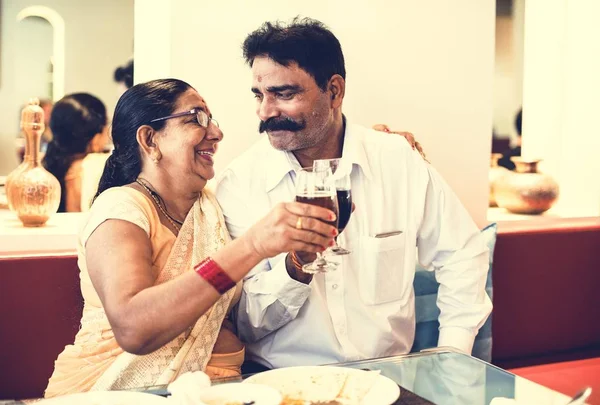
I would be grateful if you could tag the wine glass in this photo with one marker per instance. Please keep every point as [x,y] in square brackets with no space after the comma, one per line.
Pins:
[314,187]
[344,197]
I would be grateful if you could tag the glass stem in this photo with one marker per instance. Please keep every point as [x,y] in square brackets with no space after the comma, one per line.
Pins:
[320,258]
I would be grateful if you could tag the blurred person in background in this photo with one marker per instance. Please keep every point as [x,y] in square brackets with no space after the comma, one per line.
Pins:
[505,161]
[79,127]
[123,76]
[47,106]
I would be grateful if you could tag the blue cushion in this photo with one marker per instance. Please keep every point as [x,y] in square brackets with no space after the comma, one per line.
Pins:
[427,312]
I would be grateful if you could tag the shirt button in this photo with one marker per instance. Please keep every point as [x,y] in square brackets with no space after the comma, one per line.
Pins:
[335,286]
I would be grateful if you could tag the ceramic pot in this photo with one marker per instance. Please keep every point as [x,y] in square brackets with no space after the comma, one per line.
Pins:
[494,174]
[526,191]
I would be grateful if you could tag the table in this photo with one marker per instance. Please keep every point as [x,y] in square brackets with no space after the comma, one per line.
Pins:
[440,378]
[456,378]
[444,378]
[58,236]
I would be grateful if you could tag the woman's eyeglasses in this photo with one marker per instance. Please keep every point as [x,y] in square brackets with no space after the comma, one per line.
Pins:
[201,116]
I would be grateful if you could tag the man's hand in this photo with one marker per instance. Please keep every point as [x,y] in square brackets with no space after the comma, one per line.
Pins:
[297,273]
[303,258]
[407,135]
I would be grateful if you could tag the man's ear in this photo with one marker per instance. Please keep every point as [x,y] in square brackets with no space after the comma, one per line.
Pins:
[146,138]
[337,90]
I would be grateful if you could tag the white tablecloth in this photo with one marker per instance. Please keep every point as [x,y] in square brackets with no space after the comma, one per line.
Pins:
[58,236]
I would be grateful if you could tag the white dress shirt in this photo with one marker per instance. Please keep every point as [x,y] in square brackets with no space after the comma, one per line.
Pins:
[366,307]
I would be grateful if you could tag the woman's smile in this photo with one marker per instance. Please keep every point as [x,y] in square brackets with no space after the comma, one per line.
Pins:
[207,154]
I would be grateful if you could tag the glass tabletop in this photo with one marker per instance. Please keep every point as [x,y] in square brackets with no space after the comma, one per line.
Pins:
[444,378]
[456,378]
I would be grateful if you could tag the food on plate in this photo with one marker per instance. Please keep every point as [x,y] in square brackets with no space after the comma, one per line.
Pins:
[319,385]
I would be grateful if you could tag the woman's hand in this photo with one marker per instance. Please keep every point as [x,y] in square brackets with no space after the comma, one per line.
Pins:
[292,226]
[407,135]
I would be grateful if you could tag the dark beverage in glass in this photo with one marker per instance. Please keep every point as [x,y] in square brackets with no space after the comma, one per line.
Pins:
[324,200]
[344,198]
[343,185]
[313,187]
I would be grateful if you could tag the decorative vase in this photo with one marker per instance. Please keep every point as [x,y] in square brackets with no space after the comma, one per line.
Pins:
[526,191]
[10,178]
[33,193]
[494,174]
[12,175]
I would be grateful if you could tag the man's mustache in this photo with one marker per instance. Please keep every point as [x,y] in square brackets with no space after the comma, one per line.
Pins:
[280,124]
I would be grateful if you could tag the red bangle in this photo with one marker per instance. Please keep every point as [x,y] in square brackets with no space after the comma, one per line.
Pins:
[209,270]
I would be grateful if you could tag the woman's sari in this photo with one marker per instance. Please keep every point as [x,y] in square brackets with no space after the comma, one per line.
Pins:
[96,362]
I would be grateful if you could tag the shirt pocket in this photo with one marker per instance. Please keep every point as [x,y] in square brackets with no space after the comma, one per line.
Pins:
[380,275]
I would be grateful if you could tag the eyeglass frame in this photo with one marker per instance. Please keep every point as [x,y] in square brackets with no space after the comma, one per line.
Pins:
[193,111]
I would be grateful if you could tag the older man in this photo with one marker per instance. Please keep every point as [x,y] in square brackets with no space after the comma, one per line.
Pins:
[366,307]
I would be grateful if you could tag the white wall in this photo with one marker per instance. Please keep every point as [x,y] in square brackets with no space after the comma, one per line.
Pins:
[98,38]
[507,99]
[508,72]
[422,66]
[560,98]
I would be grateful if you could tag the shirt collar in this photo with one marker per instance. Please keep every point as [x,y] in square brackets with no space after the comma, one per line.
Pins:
[280,163]
[354,150]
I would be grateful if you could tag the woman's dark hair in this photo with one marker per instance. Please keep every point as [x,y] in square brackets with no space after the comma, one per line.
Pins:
[305,41]
[137,106]
[75,120]
[125,74]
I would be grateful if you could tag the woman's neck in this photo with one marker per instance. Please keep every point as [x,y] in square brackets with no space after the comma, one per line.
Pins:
[176,198]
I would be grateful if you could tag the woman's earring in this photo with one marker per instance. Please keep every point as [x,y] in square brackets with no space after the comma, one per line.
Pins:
[156,158]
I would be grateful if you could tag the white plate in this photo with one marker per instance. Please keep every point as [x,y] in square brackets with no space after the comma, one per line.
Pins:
[107,398]
[240,393]
[323,383]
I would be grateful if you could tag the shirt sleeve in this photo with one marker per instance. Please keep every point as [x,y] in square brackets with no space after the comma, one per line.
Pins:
[270,297]
[449,242]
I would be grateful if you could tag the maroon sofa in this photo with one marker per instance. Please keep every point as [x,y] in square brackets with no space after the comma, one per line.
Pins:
[546,318]
[40,311]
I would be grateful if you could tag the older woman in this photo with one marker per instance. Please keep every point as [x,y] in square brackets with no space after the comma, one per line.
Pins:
[158,271]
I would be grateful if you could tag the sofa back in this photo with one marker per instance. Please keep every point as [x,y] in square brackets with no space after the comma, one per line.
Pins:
[40,312]
[546,290]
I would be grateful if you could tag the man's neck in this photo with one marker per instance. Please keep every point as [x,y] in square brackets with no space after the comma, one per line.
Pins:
[330,148]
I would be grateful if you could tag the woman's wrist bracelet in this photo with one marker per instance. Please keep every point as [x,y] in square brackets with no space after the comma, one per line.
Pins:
[210,271]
